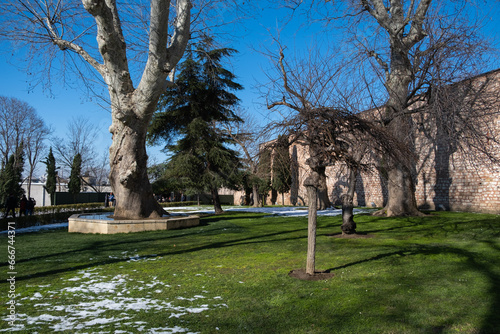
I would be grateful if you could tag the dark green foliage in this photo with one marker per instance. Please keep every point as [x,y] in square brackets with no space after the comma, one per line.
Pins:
[11,175]
[75,182]
[282,177]
[263,179]
[189,118]
[51,182]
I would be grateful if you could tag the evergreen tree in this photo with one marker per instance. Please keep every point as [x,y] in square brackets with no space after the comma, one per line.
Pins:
[51,182]
[75,182]
[282,177]
[263,179]
[191,112]
[11,175]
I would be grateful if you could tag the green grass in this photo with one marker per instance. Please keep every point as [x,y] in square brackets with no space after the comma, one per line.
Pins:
[434,274]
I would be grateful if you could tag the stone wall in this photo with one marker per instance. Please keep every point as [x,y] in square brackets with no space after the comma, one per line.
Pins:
[445,180]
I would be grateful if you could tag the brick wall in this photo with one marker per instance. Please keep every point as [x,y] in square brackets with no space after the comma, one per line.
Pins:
[458,181]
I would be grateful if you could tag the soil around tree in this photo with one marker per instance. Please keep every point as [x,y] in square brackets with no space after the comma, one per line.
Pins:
[318,275]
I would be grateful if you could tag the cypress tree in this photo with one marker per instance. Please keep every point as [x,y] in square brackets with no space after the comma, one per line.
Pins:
[263,179]
[51,182]
[75,183]
[282,176]
[11,175]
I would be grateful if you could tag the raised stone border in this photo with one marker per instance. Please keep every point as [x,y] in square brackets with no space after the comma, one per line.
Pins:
[79,224]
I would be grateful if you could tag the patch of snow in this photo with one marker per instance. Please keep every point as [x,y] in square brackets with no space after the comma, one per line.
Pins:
[276,211]
[98,295]
[37,295]
[38,228]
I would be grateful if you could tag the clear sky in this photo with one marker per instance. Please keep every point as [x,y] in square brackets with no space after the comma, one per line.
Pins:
[249,65]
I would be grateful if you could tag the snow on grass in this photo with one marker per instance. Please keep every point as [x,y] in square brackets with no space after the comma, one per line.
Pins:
[91,301]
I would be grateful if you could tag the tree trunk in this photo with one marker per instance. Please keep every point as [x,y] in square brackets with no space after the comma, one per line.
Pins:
[404,32]
[324,202]
[348,224]
[311,183]
[400,185]
[128,176]
[312,198]
[274,196]
[294,187]
[255,196]
[401,194]
[216,200]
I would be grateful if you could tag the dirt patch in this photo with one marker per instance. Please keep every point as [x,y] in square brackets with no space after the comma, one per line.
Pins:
[352,236]
[318,275]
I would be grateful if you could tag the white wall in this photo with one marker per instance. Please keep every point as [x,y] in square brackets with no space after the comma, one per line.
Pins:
[39,193]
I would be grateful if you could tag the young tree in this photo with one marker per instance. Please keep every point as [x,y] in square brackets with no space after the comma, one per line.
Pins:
[325,124]
[51,174]
[75,183]
[193,110]
[57,26]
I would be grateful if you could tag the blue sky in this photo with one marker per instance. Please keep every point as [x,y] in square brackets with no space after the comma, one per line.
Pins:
[249,66]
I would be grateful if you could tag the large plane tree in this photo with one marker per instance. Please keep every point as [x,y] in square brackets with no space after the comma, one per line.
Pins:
[404,49]
[51,26]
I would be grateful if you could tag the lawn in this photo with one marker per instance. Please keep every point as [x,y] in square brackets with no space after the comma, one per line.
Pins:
[433,274]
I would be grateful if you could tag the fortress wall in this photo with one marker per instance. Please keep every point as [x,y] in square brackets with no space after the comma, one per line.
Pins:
[455,181]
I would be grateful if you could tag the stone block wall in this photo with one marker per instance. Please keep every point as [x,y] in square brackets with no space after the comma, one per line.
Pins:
[444,180]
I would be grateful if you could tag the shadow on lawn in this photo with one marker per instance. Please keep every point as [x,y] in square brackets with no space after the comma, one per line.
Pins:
[491,323]
[104,245]
[487,267]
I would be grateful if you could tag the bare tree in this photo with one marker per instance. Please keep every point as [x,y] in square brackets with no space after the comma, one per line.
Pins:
[80,138]
[14,114]
[249,136]
[95,176]
[410,46]
[20,124]
[321,120]
[35,146]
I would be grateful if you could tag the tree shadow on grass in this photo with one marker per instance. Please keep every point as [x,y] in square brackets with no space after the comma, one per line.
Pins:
[100,246]
[488,269]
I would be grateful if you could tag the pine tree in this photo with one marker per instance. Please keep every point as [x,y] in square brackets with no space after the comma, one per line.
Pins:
[191,112]
[51,182]
[75,182]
